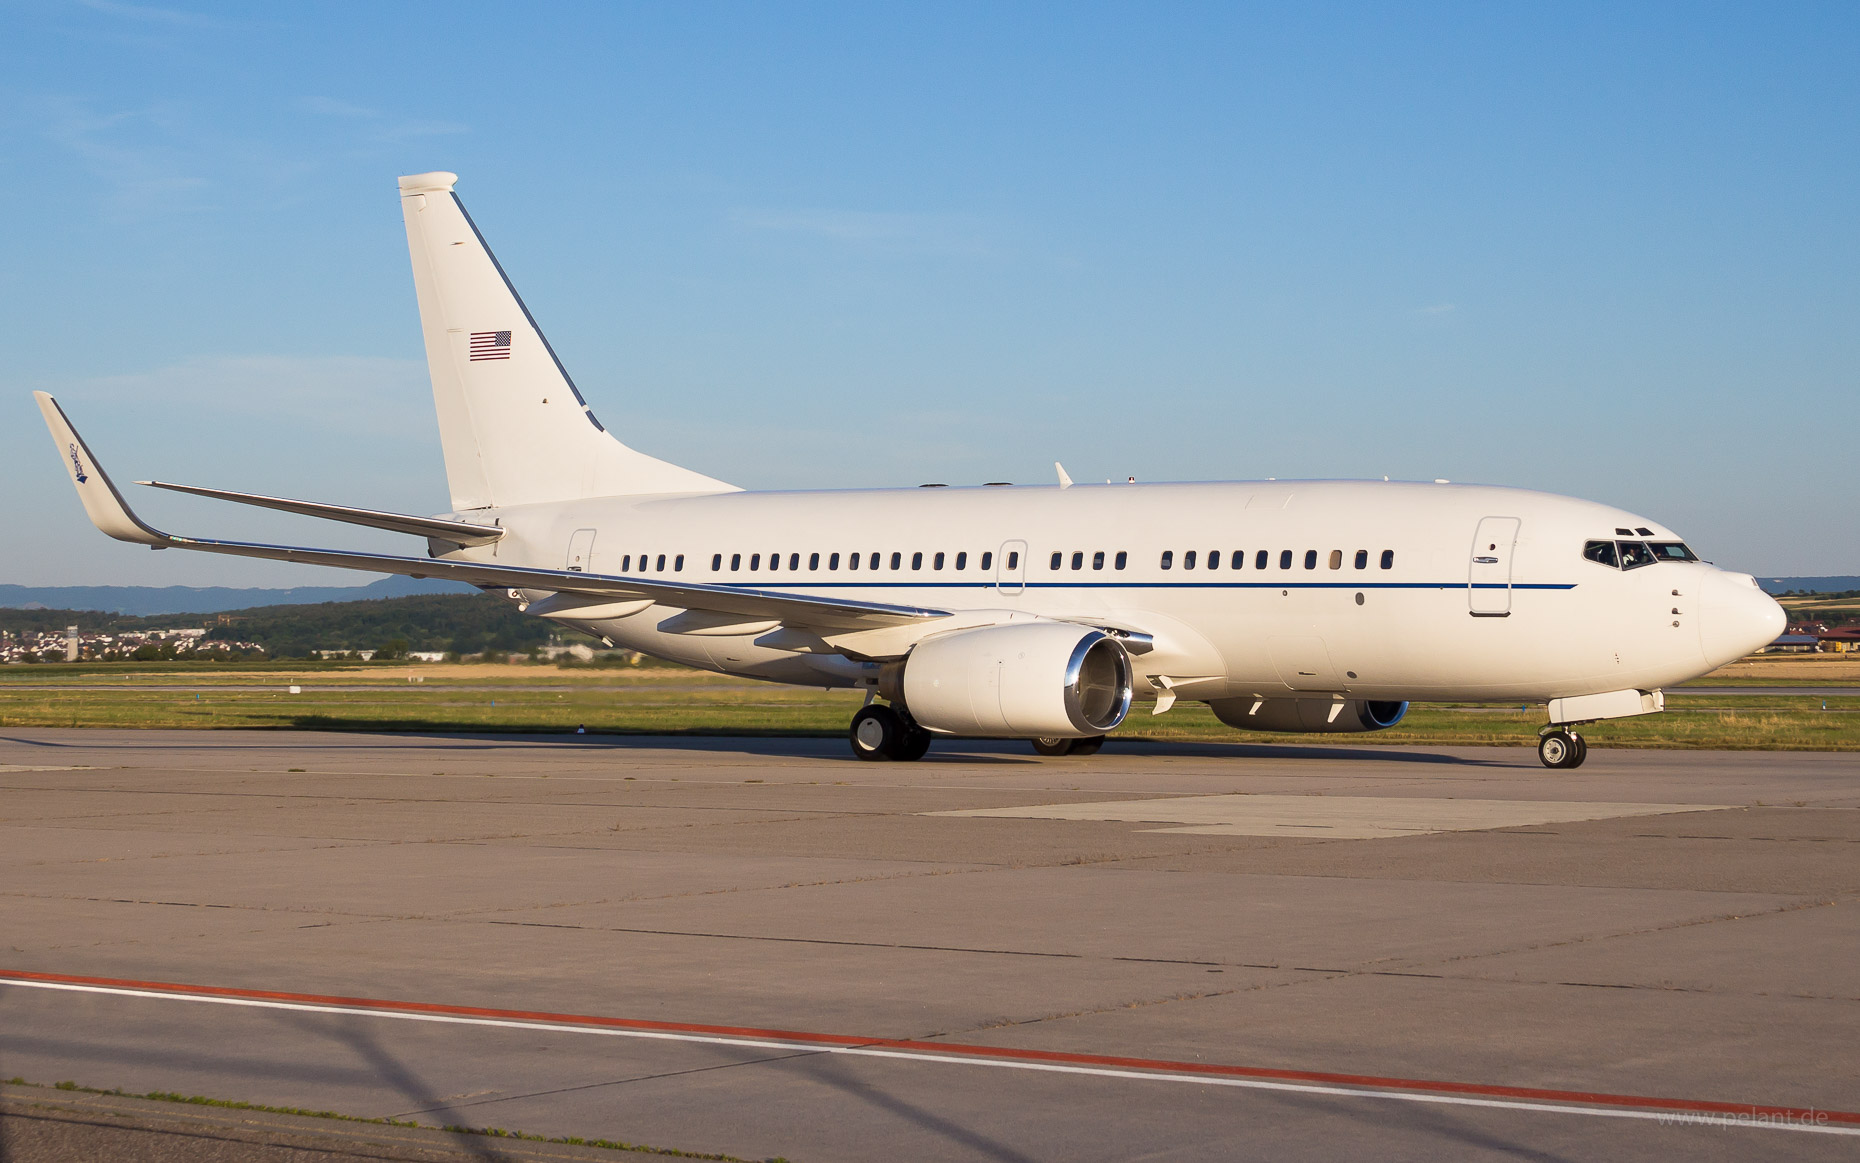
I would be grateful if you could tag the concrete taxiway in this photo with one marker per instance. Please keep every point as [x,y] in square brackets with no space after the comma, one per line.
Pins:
[762,947]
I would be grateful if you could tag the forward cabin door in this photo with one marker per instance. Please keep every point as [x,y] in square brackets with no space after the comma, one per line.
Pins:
[1488,578]
[581,551]
[1011,567]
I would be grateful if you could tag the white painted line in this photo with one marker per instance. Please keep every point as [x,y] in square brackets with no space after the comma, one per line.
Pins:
[1676,1118]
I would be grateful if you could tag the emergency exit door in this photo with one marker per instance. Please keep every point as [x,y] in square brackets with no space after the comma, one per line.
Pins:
[1011,567]
[1488,577]
[581,551]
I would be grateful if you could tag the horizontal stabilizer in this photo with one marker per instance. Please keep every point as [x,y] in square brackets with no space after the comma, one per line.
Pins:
[457,532]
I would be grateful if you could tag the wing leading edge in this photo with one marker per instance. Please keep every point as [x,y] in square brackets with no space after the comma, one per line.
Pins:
[111,514]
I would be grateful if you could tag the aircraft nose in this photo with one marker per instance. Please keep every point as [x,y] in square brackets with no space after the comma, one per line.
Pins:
[1736,617]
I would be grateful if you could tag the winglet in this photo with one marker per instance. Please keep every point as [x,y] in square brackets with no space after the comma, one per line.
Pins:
[105,505]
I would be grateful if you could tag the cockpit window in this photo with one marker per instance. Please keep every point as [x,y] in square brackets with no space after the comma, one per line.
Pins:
[1672,551]
[1601,553]
[1635,554]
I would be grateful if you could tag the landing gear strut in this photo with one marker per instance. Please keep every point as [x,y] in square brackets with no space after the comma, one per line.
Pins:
[879,732]
[1056,746]
[1560,748]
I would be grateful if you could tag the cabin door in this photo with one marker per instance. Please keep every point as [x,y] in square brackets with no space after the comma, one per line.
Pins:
[581,551]
[1488,576]
[1011,567]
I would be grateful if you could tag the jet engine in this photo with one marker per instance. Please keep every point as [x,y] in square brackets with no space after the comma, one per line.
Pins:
[1036,679]
[1307,715]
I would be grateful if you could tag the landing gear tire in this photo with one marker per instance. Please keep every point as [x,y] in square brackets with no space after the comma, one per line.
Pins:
[916,744]
[879,733]
[1055,746]
[1561,749]
[876,733]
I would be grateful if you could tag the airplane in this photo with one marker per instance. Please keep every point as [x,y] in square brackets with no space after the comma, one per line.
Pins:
[1041,613]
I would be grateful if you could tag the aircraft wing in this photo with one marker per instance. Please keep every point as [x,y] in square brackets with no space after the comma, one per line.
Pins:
[110,513]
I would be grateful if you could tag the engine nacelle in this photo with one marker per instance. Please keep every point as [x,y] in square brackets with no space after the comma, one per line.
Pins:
[1036,679]
[1307,715]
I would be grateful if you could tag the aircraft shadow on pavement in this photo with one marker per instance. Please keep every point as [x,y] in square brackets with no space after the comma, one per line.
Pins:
[770,745]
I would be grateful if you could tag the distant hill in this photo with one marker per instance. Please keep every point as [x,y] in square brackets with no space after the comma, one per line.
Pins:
[1817,585]
[148,600]
[462,623]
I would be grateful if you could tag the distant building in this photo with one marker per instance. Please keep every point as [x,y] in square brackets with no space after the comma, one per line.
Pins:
[1845,640]
[1793,644]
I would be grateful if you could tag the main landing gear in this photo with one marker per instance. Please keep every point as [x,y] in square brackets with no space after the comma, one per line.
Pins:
[878,732]
[1560,748]
[1056,746]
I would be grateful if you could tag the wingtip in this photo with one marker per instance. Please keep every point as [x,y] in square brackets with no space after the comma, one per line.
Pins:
[102,503]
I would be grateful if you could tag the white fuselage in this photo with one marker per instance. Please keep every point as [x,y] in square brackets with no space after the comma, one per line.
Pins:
[1325,615]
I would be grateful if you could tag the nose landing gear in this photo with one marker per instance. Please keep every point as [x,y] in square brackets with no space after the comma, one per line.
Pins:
[1560,748]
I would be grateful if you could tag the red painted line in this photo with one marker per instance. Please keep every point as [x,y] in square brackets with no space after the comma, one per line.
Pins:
[954,1049]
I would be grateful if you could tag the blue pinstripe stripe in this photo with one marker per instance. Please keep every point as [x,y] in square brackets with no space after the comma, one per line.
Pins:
[1134,585]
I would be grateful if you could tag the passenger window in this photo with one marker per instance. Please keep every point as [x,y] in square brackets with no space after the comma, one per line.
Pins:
[936,562]
[1362,559]
[1057,556]
[897,560]
[755,561]
[1239,561]
[1078,559]
[1259,562]
[833,561]
[962,561]
[1188,560]
[873,563]
[1602,553]
[661,565]
[1097,560]
[1122,557]
[1168,559]
[1672,551]
[1214,559]
[736,562]
[813,561]
[852,561]
[1310,559]
[794,560]
[1634,554]
[1388,559]
[1285,559]
[1013,559]
[1336,559]
[988,561]
[774,561]
[716,563]
[626,564]
[678,564]
[917,560]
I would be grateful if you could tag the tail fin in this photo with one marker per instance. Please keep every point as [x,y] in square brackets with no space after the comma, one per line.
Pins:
[514,428]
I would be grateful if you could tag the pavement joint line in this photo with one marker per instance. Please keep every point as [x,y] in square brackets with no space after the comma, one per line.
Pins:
[1593,1104]
[782,940]
[766,1059]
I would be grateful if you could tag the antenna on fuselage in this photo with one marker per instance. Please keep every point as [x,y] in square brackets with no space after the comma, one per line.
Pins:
[1065,482]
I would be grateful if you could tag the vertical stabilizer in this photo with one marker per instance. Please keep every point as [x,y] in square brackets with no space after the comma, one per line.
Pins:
[514,429]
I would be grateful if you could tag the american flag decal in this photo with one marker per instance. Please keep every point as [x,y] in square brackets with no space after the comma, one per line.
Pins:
[490,345]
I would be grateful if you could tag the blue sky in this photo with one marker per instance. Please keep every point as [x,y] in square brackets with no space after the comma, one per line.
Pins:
[1606,250]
